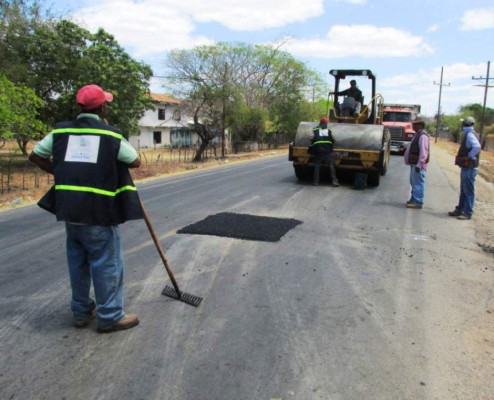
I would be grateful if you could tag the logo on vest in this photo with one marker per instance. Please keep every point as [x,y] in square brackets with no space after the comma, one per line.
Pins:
[82,149]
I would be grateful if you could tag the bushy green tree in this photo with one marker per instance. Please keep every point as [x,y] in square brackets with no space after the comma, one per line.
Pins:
[18,113]
[55,57]
[224,81]
[483,118]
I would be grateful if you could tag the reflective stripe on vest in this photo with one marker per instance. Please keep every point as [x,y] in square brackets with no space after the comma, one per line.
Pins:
[322,142]
[95,190]
[90,131]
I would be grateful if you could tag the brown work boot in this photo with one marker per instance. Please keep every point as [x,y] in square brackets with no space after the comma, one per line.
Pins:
[127,322]
[454,213]
[464,217]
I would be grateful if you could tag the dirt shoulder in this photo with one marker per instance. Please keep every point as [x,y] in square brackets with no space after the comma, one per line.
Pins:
[443,153]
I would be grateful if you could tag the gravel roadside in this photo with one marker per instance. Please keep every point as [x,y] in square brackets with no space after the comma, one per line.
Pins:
[484,197]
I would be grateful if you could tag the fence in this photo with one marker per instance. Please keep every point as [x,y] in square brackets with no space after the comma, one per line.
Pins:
[18,175]
[22,177]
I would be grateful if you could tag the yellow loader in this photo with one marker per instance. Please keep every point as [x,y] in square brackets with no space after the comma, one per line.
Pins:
[362,142]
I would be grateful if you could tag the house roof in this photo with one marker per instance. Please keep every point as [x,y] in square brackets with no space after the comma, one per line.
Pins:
[164,99]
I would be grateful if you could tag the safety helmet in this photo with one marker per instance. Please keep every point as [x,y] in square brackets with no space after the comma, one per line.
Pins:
[468,121]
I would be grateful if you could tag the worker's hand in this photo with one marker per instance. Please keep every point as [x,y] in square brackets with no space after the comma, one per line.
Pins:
[417,170]
[135,164]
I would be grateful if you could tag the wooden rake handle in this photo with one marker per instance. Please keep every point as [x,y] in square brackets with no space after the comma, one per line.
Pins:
[160,250]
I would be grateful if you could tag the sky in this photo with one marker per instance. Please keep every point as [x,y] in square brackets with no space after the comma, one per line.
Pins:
[405,44]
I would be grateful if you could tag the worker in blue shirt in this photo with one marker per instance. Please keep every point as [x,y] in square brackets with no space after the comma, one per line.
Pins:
[468,160]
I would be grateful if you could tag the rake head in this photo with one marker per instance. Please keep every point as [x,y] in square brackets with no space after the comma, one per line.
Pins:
[182,296]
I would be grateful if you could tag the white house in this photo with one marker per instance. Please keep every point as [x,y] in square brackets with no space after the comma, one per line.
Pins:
[168,126]
[164,127]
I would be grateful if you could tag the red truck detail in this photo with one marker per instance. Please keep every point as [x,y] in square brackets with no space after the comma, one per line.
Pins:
[398,118]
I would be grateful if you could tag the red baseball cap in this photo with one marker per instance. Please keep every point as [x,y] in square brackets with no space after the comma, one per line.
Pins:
[92,96]
[324,120]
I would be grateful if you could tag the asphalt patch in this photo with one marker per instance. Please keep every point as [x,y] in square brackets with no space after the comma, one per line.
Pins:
[243,226]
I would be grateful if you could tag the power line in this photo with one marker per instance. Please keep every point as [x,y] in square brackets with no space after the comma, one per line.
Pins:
[440,84]
[486,86]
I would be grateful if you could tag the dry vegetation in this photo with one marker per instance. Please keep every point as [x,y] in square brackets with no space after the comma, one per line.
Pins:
[486,169]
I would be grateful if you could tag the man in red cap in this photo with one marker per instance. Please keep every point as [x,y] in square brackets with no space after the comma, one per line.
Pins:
[93,194]
[321,148]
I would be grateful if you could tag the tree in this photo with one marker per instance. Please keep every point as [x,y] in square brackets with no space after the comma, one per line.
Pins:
[453,124]
[482,118]
[18,113]
[55,57]
[224,81]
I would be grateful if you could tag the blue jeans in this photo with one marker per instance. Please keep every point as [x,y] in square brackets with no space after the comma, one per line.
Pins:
[467,191]
[417,181]
[93,253]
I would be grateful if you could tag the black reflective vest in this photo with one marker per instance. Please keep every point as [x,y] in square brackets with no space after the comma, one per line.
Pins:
[413,155]
[463,153]
[91,187]
[322,144]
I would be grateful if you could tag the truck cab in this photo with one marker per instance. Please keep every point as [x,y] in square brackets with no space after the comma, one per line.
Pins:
[399,118]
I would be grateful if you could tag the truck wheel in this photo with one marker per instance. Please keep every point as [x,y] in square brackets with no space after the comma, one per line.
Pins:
[374,179]
[384,168]
[302,173]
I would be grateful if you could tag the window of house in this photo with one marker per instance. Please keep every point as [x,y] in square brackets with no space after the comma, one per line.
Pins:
[157,137]
[161,113]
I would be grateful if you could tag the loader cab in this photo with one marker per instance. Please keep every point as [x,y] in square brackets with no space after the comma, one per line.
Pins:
[366,82]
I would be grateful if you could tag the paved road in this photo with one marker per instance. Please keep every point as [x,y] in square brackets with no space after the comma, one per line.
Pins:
[364,299]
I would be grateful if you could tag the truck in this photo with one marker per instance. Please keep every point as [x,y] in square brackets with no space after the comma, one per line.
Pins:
[362,142]
[398,118]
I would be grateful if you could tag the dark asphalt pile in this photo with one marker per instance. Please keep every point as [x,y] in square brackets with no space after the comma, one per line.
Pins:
[242,226]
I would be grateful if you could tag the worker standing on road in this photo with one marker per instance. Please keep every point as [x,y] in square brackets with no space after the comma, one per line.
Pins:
[93,194]
[468,160]
[322,148]
[417,157]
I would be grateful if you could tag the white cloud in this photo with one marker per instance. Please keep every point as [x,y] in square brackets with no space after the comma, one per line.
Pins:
[148,27]
[156,26]
[346,41]
[422,87]
[351,1]
[433,28]
[253,15]
[480,18]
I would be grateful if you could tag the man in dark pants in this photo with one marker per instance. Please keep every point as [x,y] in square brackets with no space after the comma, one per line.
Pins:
[322,147]
[468,160]
[93,194]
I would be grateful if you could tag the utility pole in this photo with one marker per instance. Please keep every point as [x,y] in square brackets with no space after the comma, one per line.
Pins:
[486,86]
[439,103]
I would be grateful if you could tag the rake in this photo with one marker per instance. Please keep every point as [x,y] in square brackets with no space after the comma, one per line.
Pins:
[173,292]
